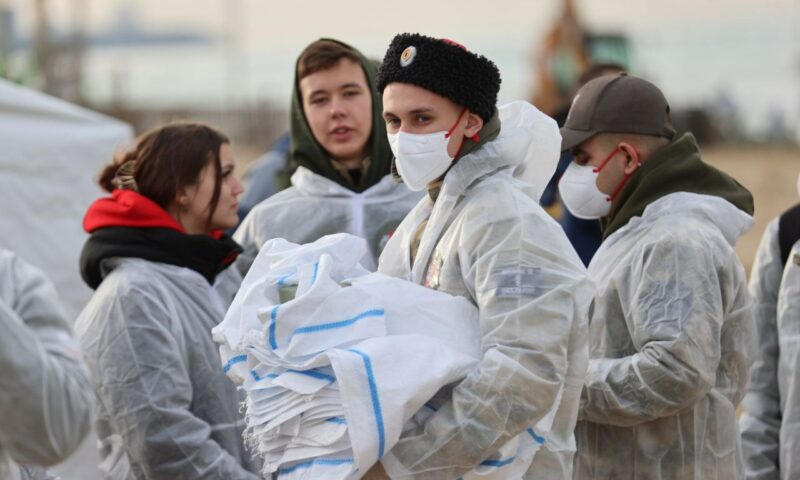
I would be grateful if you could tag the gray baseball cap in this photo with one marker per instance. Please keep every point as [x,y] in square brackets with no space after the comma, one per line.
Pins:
[616,104]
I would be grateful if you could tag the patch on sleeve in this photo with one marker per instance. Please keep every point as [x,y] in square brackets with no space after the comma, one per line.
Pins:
[516,282]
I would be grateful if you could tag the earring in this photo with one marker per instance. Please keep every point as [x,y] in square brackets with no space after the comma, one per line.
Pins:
[184,209]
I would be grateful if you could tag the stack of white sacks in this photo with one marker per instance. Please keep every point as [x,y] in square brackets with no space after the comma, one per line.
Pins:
[336,361]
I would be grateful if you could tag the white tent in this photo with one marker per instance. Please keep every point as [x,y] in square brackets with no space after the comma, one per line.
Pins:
[50,153]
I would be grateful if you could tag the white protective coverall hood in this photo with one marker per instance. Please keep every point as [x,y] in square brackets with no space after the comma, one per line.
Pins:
[165,408]
[671,338]
[46,400]
[487,239]
[770,423]
[316,206]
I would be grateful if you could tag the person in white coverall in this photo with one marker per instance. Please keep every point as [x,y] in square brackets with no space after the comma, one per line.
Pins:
[45,394]
[770,423]
[671,334]
[481,234]
[160,266]
[338,140]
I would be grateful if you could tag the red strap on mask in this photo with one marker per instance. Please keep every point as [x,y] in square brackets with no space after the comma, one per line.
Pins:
[475,138]
[460,116]
[620,186]
[624,180]
[604,162]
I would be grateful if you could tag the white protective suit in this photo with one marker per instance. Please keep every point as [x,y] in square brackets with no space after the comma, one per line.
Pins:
[316,206]
[761,420]
[770,423]
[166,410]
[45,394]
[671,338]
[487,239]
[789,346]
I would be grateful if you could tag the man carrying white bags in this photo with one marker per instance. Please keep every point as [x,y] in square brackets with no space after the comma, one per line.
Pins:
[481,234]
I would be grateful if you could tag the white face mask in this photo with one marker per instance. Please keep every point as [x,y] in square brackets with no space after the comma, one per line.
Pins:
[579,192]
[420,159]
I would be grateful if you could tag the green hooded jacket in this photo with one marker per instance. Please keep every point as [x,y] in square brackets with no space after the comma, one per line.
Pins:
[676,167]
[307,152]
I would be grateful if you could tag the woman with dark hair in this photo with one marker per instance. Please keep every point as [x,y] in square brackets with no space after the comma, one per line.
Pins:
[157,259]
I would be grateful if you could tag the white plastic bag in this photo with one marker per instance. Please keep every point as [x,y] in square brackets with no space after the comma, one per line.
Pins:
[334,374]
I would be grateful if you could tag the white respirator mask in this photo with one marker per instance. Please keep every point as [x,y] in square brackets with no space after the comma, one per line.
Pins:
[421,158]
[579,192]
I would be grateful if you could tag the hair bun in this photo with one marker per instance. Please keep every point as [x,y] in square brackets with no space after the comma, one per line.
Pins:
[124,177]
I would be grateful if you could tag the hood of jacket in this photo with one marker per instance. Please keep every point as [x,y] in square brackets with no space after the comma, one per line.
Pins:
[307,152]
[731,221]
[128,224]
[676,167]
[314,185]
[529,144]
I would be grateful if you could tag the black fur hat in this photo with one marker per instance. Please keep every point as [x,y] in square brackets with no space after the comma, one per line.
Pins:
[444,68]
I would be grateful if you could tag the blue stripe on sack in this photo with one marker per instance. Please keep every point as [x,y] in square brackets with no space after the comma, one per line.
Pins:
[431,406]
[314,273]
[318,461]
[315,374]
[337,420]
[258,378]
[536,438]
[339,324]
[497,463]
[273,323]
[376,403]
[282,280]
[233,361]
